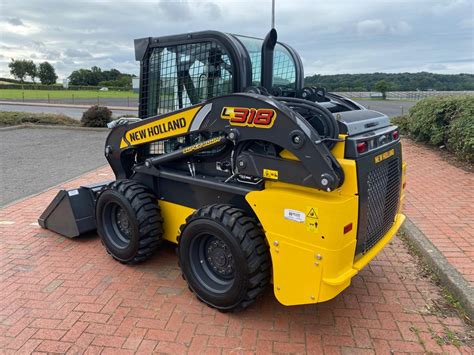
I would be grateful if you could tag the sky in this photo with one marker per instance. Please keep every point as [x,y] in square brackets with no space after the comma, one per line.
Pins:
[332,36]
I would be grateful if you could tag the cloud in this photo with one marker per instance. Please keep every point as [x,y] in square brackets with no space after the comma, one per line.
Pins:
[401,28]
[443,7]
[15,21]
[213,10]
[370,27]
[76,53]
[177,10]
[332,37]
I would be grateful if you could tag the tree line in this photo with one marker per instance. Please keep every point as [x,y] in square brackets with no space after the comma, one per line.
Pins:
[382,82]
[45,72]
[394,82]
[95,76]
[22,68]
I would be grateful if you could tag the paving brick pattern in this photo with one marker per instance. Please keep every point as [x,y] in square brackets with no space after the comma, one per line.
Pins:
[59,295]
[440,201]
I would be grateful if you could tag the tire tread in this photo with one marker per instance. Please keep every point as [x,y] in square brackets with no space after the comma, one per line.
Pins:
[253,243]
[148,215]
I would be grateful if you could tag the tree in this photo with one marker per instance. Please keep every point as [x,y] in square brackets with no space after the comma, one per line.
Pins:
[31,69]
[382,86]
[19,69]
[47,74]
[83,77]
[86,77]
[95,76]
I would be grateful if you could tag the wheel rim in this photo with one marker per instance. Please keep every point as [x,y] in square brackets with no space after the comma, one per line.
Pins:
[212,262]
[118,226]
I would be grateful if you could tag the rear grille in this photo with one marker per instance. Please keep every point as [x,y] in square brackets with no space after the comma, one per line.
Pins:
[383,194]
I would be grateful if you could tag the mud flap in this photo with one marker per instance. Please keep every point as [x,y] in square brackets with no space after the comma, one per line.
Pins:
[72,212]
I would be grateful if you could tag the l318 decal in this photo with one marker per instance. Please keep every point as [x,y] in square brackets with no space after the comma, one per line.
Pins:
[249,117]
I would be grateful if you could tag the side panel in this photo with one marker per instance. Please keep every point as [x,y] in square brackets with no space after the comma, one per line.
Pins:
[305,231]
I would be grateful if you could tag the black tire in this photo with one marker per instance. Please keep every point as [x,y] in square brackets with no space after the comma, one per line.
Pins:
[224,257]
[129,221]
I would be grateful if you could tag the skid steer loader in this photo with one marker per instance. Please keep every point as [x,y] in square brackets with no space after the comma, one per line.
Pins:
[257,179]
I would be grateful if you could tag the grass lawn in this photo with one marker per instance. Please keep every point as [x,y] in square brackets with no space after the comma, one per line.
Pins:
[17,94]
[11,118]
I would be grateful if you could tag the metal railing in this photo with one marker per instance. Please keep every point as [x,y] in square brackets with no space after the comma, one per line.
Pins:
[400,95]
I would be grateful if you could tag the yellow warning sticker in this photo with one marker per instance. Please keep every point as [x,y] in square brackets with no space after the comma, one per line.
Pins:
[312,219]
[270,174]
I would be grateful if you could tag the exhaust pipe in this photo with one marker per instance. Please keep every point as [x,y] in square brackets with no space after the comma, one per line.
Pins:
[268,46]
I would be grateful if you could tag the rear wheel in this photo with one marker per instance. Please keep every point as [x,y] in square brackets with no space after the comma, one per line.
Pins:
[224,257]
[128,221]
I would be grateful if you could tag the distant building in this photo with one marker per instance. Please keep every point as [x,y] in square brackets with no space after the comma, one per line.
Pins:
[135,84]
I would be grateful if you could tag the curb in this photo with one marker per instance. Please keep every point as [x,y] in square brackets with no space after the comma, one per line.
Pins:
[448,275]
[20,103]
[45,126]
[11,128]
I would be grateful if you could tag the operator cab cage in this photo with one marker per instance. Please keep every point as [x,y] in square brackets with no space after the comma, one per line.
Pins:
[183,70]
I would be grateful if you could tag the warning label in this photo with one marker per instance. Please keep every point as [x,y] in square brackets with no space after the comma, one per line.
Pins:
[270,174]
[311,219]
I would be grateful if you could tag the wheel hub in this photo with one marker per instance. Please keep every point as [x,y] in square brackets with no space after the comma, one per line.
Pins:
[122,221]
[220,258]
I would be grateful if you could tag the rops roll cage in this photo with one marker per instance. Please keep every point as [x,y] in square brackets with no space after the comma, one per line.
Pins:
[237,52]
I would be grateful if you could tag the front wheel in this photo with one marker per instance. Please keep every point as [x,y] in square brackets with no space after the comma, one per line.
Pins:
[224,257]
[128,221]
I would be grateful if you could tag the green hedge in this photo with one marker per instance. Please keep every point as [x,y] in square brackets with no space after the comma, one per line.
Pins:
[445,120]
[13,118]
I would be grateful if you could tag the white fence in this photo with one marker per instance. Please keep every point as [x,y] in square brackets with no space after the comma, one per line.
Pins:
[401,95]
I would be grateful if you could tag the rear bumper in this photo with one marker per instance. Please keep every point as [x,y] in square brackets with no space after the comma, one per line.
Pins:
[365,259]
[331,287]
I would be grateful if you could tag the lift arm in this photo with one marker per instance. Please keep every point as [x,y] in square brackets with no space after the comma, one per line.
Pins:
[236,118]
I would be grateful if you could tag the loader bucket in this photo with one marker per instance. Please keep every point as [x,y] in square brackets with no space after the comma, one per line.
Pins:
[72,212]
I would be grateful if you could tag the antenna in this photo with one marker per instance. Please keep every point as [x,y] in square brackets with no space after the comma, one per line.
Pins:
[273,13]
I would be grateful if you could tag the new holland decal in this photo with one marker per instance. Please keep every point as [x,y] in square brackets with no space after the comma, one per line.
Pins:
[166,127]
[249,117]
[385,155]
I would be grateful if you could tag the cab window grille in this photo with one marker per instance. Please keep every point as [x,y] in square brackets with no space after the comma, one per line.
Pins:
[284,72]
[284,67]
[180,76]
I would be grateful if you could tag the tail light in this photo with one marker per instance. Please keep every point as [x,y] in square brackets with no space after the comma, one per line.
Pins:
[395,135]
[361,147]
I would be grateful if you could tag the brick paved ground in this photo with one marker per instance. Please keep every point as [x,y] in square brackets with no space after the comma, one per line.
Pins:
[440,201]
[60,295]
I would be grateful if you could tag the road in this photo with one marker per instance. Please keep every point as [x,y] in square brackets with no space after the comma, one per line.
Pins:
[35,159]
[388,107]
[75,113]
